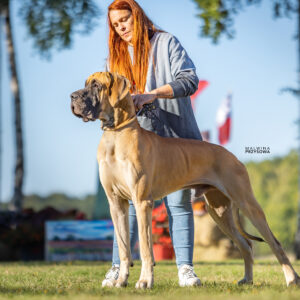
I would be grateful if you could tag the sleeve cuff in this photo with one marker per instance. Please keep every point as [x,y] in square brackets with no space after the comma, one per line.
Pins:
[177,88]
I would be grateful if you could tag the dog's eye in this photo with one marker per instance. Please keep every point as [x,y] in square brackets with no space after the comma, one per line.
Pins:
[84,94]
[96,84]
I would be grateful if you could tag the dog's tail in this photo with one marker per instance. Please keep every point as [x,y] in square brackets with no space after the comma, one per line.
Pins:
[237,221]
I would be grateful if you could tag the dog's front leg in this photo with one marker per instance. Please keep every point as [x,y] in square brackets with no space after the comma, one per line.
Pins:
[119,214]
[144,217]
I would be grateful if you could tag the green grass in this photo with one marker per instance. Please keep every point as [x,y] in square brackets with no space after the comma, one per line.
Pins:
[82,280]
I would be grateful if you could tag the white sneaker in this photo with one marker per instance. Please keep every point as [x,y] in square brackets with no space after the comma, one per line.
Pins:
[111,276]
[187,276]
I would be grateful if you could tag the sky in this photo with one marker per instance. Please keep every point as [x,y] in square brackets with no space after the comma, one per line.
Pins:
[60,150]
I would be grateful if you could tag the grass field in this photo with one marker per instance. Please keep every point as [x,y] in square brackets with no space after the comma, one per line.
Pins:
[82,280]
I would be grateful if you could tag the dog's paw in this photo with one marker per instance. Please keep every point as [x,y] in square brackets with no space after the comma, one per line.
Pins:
[295,282]
[245,281]
[121,283]
[108,283]
[144,284]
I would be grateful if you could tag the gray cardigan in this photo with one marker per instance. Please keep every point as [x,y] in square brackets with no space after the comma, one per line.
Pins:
[171,117]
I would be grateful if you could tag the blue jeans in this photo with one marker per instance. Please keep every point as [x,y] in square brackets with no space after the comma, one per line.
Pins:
[181,224]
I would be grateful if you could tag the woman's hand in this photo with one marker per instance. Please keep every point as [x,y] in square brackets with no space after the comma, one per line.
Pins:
[140,99]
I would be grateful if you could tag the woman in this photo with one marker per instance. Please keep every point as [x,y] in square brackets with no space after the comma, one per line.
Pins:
[163,77]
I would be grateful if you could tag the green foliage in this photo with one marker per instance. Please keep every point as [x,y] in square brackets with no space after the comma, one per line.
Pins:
[61,202]
[52,23]
[217,15]
[284,8]
[275,186]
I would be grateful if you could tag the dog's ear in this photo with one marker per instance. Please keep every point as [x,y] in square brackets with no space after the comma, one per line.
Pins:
[118,89]
[95,76]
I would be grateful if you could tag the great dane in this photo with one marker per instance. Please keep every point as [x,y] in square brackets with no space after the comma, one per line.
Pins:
[139,165]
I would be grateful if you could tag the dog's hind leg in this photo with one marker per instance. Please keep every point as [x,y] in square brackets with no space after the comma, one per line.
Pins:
[144,216]
[119,213]
[251,208]
[219,207]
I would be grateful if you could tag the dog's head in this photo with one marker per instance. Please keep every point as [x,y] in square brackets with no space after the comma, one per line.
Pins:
[104,97]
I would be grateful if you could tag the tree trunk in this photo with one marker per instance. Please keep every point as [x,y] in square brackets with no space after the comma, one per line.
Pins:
[297,238]
[19,169]
[1,26]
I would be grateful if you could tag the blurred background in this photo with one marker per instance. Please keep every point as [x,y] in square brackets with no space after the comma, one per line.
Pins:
[245,50]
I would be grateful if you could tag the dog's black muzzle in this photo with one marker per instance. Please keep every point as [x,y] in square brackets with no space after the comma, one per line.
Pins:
[74,97]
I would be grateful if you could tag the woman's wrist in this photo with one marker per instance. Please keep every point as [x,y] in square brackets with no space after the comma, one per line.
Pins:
[154,93]
[164,91]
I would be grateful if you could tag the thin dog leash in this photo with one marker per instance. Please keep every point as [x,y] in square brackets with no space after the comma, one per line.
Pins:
[149,107]
[138,113]
[146,107]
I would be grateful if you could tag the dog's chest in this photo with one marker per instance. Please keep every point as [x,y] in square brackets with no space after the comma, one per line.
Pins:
[115,159]
[115,169]
[108,155]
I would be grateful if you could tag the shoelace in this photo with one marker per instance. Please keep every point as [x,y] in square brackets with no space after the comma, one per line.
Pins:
[113,273]
[188,273]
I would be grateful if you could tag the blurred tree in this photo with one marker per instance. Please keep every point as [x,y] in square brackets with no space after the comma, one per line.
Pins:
[274,184]
[51,24]
[217,15]
[217,20]
[101,206]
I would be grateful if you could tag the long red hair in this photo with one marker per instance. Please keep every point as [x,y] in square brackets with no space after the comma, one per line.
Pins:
[119,57]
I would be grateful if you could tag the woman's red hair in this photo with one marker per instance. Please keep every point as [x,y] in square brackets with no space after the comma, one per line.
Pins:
[119,58]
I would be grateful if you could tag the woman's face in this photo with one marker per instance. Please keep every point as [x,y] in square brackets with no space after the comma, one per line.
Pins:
[122,21]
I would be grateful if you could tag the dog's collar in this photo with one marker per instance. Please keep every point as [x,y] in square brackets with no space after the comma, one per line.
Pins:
[124,124]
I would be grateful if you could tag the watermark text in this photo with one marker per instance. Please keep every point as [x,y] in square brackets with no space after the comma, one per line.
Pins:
[259,150]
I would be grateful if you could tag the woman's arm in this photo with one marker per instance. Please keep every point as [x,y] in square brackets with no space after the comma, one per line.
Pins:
[164,91]
[185,81]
